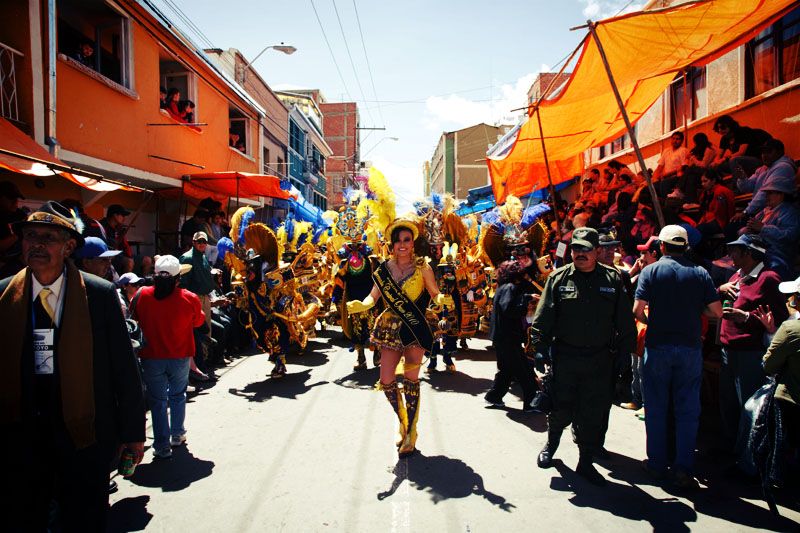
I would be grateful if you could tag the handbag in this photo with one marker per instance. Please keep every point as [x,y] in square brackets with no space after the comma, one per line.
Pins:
[543,399]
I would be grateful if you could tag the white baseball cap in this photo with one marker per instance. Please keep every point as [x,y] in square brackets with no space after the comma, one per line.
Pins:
[674,234]
[789,287]
[168,264]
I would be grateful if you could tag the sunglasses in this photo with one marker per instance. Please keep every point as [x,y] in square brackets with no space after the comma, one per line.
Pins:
[580,248]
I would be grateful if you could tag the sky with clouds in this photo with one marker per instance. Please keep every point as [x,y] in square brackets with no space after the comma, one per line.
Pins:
[417,68]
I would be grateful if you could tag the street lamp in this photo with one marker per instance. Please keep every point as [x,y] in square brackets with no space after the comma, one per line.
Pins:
[285,48]
[379,142]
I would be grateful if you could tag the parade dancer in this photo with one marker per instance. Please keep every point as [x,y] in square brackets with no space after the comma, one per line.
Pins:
[406,284]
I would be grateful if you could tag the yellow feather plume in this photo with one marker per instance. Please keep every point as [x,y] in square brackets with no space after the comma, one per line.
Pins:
[511,211]
[333,216]
[383,207]
[236,221]
[301,228]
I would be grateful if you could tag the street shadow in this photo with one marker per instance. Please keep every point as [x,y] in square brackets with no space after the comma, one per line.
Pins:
[718,497]
[129,514]
[313,355]
[290,386]
[458,382]
[536,422]
[476,354]
[360,379]
[443,478]
[172,475]
[730,498]
[333,335]
[625,501]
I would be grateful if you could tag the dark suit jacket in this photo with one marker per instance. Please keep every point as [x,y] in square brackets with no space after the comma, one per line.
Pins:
[119,406]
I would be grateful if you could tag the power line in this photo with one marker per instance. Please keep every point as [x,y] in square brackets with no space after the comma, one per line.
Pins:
[352,64]
[369,68]
[327,42]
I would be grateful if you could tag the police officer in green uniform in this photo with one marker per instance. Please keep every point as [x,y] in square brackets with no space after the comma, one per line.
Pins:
[584,317]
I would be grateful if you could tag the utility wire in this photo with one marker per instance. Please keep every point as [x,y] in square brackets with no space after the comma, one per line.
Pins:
[352,63]
[369,68]
[327,42]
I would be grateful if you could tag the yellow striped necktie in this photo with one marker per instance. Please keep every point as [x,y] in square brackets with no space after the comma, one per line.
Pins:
[43,294]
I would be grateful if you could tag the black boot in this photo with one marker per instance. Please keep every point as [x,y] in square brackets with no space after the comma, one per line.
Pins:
[361,362]
[586,470]
[545,459]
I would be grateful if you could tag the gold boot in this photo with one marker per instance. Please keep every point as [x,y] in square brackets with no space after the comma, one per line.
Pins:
[392,392]
[411,390]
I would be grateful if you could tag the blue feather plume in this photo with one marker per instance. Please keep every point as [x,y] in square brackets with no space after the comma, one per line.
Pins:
[436,198]
[492,218]
[532,213]
[224,245]
[246,218]
[288,225]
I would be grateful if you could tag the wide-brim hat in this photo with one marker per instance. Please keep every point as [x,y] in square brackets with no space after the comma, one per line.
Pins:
[786,186]
[789,287]
[51,214]
[402,223]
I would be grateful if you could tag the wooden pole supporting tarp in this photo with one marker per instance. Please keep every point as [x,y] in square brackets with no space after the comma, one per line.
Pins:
[549,178]
[634,142]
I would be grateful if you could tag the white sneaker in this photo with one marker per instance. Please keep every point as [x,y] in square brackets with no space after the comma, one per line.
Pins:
[178,440]
[166,453]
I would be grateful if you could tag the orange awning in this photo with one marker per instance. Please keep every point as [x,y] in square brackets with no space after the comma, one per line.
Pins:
[645,51]
[23,155]
[235,184]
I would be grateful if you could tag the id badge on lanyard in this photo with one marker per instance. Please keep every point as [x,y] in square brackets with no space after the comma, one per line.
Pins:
[43,346]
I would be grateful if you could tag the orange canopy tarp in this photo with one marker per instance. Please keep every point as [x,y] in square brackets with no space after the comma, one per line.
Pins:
[34,160]
[236,184]
[645,50]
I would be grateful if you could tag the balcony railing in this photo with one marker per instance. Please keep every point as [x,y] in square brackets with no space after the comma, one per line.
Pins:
[9,106]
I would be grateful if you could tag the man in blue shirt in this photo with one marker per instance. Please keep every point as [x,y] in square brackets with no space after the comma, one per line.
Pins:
[677,293]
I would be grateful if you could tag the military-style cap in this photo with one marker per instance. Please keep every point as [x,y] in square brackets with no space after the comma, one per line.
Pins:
[586,237]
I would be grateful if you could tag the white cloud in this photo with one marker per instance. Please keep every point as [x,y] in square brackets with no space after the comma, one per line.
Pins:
[601,9]
[454,111]
[406,182]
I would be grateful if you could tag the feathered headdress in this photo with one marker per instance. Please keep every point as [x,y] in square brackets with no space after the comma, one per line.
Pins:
[503,230]
[262,240]
[239,222]
[380,201]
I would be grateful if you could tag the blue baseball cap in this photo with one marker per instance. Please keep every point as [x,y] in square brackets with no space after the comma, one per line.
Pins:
[129,278]
[751,242]
[95,247]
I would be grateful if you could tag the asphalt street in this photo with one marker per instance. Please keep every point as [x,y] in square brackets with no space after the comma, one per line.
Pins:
[315,451]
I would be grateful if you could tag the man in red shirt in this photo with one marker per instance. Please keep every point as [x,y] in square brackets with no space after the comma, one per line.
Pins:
[167,315]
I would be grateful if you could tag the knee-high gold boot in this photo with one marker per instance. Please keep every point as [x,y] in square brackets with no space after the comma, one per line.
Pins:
[411,390]
[392,392]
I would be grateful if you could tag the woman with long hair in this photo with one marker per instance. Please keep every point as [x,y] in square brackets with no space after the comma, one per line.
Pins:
[173,97]
[407,285]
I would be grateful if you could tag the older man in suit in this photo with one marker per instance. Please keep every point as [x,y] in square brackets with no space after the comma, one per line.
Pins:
[70,392]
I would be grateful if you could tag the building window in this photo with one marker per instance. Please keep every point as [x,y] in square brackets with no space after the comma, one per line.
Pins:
[92,25]
[317,163]
[771,59]
[694,91]
[265,161]
[238,129]
[297,139]
[174,76]
[617,145]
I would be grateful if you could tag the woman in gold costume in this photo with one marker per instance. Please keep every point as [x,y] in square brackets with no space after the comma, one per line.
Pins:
[406,285]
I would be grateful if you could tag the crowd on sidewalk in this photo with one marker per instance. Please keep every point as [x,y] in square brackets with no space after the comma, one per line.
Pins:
[631,300]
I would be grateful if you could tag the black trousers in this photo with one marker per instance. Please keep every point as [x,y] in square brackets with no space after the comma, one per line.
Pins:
[582,396]
[39,472]
[512,365]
